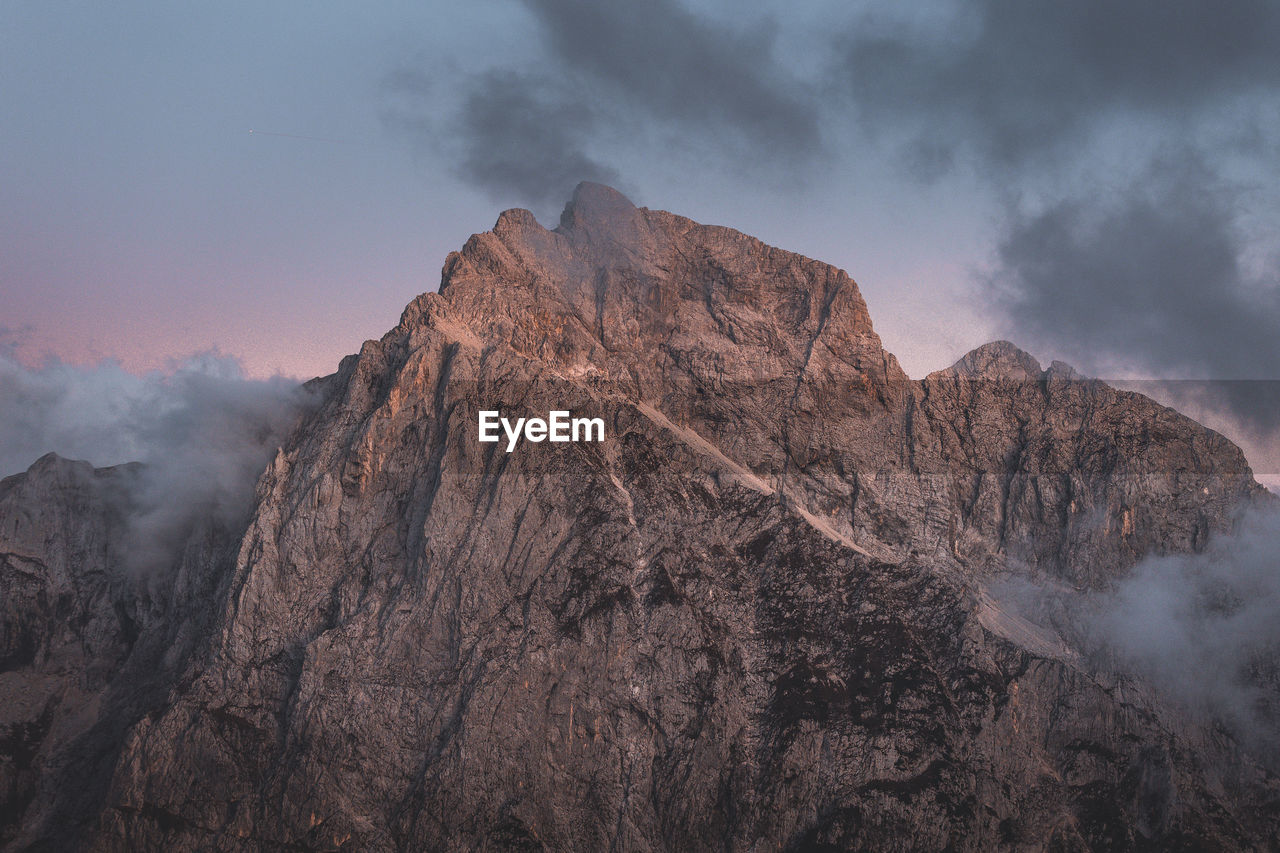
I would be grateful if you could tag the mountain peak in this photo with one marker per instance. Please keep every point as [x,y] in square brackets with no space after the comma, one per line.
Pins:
[604,219]
[997,360]
[595,203]
[515,220]
[627,291]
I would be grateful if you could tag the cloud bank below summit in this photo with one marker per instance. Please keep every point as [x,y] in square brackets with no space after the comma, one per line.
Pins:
[204,432]
[1202,628]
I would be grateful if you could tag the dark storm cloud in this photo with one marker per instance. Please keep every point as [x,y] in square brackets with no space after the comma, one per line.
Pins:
[513,135]
[521,137]
[613,72]
[1150,277]
[685,69]
[1012,79]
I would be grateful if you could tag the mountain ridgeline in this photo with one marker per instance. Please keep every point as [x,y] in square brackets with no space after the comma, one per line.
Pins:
[758,615]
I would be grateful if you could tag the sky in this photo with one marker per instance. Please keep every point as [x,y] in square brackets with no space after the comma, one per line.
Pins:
[1093,180]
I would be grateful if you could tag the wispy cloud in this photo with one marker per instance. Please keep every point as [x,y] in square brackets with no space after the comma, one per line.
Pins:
[1206,628]
[1201,628]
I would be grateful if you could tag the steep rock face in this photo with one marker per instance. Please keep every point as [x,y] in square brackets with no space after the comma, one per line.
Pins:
[1068,475]
[87,645]
[60,637]
[753,618]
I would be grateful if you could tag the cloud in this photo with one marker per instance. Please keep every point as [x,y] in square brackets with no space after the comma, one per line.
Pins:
[204,433]
[517,135]
[12,338]
[1206,627]
[685,69]
[1150,278]
[1016,82]
[1202,628]
[611,75]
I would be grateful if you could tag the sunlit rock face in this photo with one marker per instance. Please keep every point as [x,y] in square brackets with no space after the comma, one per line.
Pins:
[755,617]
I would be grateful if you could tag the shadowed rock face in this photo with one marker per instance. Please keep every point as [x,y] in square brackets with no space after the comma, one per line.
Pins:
[87,646]
[754,617]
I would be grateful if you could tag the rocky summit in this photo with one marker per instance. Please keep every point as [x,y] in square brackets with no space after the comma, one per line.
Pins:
[758,615]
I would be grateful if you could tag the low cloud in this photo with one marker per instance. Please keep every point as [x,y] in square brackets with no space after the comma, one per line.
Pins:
[1203,629]
[204,433]
[1206,628]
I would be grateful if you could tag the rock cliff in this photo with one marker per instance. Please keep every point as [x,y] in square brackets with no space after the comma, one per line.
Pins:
[755,617]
